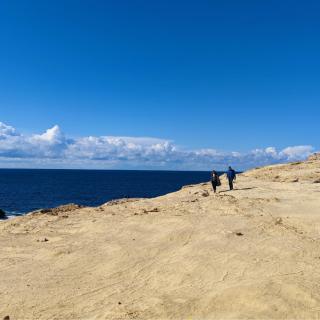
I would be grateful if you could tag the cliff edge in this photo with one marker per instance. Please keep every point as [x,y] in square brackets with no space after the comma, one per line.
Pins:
[253,253]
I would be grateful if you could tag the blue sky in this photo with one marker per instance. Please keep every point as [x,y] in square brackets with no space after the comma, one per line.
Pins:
[219,75]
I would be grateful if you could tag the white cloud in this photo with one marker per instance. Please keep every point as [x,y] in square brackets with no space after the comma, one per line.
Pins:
[51,136]
[53,149]
[297,152]
[6,130]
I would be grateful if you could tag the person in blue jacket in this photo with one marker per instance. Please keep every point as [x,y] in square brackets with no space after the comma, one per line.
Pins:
[231,175]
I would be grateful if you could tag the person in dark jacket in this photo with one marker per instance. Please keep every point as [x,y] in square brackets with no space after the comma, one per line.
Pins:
[231,175]
[215,180]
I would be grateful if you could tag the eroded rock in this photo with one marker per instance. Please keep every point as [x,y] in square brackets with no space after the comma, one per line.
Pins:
[61,209]
[314,157]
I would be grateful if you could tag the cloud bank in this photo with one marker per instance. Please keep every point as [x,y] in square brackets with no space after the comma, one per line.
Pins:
[53,149]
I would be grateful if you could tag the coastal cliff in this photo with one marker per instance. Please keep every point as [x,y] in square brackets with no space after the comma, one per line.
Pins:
[250,253]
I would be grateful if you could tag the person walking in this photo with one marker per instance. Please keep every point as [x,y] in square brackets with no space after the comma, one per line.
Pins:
[215,180]
[231,175]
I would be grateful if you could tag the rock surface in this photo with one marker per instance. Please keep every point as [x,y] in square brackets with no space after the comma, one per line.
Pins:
[314,157]
[60,210]
[304,171]
[253,253]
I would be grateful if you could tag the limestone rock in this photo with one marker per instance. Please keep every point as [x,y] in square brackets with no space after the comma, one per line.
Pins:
[314,157]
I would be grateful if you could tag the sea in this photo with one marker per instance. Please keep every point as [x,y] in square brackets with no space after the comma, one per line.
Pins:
[26,190]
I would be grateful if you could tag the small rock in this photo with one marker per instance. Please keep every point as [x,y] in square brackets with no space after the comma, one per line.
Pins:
[205,194]
[3,215]
[6,318]
[188,186]
[43,240]
[239,234]
[120,201]
[278,221]
[145,211]
[119,303]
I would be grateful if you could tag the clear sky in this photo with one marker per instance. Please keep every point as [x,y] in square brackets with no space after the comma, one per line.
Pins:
[224,75]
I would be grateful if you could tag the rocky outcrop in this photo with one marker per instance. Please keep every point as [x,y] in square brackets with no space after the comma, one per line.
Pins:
[3,215]
[314,157]
[120,201]
[304,171]
[61,209]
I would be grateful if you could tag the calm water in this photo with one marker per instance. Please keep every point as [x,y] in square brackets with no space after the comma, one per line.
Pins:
[23,191]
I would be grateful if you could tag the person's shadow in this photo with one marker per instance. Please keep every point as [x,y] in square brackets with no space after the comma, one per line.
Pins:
[238,189]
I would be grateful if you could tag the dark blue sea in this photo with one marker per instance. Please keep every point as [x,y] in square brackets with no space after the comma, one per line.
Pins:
[25,190]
